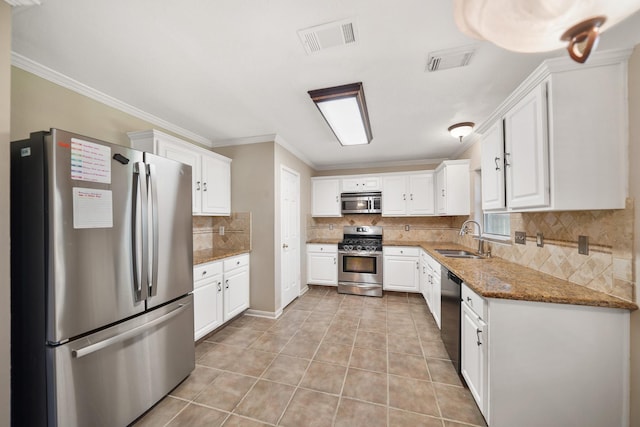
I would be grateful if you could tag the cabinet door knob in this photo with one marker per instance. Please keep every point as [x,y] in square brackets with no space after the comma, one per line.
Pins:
[334,261]
[404,197]
[496,160]
[337,199]
[285,246]
[219,287]
[226,283]
[478,332]
[204,273]
[204,186]
[197,185]
[411,196]
[506,162]
[469,299]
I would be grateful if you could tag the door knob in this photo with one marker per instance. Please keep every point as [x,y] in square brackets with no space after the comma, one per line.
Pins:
[285,246]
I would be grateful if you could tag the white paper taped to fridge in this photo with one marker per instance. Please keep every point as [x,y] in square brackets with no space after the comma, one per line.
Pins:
[90,161]
[92,208]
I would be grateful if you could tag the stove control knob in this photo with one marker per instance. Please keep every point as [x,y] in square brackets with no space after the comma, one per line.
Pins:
[359,248]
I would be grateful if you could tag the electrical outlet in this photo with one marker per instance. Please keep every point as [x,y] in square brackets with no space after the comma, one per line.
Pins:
[583,245]
[540,240]
[221,230]
[406,227]
[330,226]
[521,237]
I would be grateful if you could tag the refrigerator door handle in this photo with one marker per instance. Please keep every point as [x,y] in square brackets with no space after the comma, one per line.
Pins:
[92,348]
[153,283]
[140,243]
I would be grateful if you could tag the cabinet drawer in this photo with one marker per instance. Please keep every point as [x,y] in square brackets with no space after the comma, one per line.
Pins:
[402,250]
[322,248]
[474,301]
[202,272]
[235,262]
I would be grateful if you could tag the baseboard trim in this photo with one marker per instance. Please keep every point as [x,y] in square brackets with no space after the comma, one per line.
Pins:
[304,290]
[266,314]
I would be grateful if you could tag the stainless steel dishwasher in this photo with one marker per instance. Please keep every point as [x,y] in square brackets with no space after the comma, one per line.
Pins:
[450,321]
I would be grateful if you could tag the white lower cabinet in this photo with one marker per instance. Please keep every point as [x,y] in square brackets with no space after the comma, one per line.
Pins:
[220,292]
[207,298]
[531,364]
[401,269]
[236,286]
[430,284]
[473,339]
[322,264]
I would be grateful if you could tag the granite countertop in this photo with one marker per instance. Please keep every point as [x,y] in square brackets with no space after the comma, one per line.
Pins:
[325,241]
[208,255]
[497,278]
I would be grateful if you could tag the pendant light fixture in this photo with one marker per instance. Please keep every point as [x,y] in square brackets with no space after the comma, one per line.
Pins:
[460,130]
[345,111]
[543,25]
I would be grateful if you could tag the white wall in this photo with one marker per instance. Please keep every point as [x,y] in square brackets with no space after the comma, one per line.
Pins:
[634,189]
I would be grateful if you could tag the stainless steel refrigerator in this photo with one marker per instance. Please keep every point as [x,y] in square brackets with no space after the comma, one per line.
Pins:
[101,280]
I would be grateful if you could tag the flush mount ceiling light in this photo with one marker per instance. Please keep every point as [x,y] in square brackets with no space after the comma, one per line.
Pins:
[460,130]
[541,26]
[345,111]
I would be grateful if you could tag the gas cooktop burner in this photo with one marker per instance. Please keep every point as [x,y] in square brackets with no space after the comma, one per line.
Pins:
[361,238]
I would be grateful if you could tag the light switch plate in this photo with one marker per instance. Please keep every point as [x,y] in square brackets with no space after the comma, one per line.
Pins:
[406,227]
[521,237]
[221,230]
[540,240]
[583,245]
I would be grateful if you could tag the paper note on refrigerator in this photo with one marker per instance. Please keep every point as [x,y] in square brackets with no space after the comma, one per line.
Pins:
[92,208]
[90,161]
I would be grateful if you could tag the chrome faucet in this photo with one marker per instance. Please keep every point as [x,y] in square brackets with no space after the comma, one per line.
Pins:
[464,229]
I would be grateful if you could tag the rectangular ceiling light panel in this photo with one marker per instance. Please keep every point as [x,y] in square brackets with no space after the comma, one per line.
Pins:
[344,118]
[345,111]
[333,34]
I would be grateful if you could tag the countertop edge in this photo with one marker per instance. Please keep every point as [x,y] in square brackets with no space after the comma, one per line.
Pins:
[207,256]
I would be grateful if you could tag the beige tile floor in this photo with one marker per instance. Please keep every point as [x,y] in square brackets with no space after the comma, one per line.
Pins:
[330,360]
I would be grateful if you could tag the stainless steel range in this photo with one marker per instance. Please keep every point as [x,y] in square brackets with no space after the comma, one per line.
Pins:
[360,261]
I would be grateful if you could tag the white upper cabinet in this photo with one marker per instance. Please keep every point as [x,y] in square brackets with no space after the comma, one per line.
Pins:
[453,189]
[360,184]
[210,172]
[408,194]
[526,156]
[565,142]
[325,197]
[492,166]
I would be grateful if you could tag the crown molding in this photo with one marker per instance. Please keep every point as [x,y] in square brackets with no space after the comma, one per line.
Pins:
[16,3]
[60,79]
[544,70]
[361,165]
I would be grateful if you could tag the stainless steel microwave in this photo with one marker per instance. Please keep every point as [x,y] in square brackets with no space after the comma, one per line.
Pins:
[361,203]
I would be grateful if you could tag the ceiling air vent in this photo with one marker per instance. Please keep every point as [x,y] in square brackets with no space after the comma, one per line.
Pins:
[339,33]
[16,3]
[450,58]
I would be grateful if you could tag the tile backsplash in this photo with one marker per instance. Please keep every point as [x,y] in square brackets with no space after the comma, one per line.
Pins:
[607,268]
[433,229]
[236,234]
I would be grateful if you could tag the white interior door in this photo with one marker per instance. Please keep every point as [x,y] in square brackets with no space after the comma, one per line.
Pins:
[289,235]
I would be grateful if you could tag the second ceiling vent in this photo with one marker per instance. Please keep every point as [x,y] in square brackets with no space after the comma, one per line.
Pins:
[320,37]
[450,58]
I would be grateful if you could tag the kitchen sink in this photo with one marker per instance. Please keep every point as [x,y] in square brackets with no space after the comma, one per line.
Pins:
[455,253]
